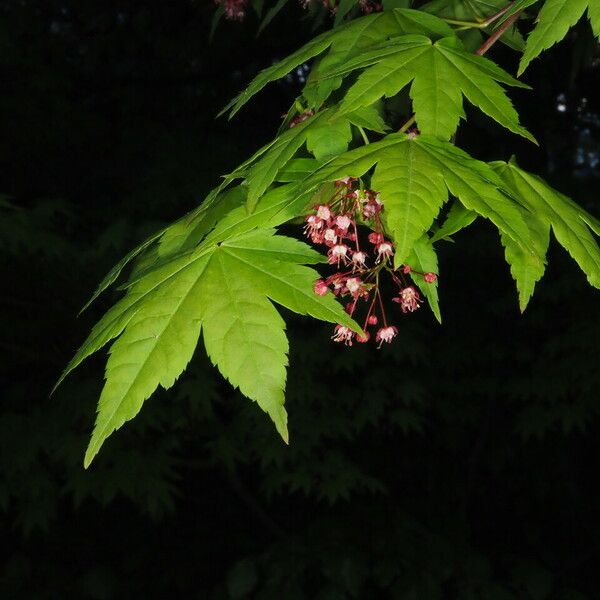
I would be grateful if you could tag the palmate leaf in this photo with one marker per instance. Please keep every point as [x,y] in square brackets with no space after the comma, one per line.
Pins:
[370,33]
[554,20]
[415,175]
[223,288]
[441,73]
[569,222]
[276,207]
[345,41]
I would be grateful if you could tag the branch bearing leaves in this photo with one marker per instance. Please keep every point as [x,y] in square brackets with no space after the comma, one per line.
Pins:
[441,73]
[553,22]
[569,222]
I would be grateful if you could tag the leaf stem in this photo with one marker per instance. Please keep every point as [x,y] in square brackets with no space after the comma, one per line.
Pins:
[497,34]
[480,24]
[408,123]
[364,135]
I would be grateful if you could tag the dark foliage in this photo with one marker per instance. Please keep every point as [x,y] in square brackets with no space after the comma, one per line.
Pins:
[457,464]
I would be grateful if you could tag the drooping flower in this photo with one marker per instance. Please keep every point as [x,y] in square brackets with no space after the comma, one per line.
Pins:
[384,251]
[376,238]
[313,225]
[343,334]
[323,212]
[429,277]
[354,286]
[234,9]
[372,320]
[338,254]
[320,287]
[361,339]
[406,269]
[359,260]
[329,236]
[386,334]
[409,299]
[343,222]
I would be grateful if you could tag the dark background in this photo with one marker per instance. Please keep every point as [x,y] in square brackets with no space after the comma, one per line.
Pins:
[458,463]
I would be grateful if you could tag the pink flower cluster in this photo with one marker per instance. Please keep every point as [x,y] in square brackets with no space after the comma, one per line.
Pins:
[357,278]
[366,6]
[234,9]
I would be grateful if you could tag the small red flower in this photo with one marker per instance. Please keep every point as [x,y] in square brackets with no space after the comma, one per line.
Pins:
[430,277]
[376,238]
[358,260]
[338,254]
[329,236]
[323,212]
[320,287]
[386,334]
[409,299]
[384,251]
[372,320]
[342,334]
[406,269]
[354,286]
[343,222]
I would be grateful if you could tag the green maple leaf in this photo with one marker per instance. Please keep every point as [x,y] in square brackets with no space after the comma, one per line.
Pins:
[423,258]
[345,41]
[554,21]
[550,209]
[441,74]
[415,175]
[225,289]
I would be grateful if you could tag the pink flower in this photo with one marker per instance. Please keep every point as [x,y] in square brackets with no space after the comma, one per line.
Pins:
[409,299]
[358,259]
[320,287]
[386,334]
[343,222]
[384,251]
[323,212]
[313,225]
[376,238]
[234,9]
[317,237]
[430,277]
[361,339]
[342,334]
[338,254]
[406,269]
[345,181]
[354,285]
[372,320]
[330,237]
